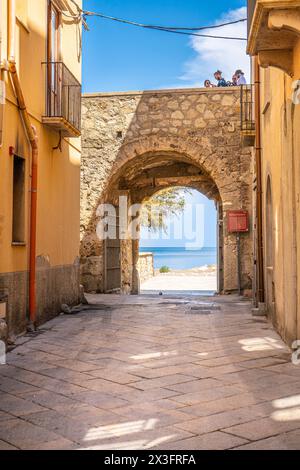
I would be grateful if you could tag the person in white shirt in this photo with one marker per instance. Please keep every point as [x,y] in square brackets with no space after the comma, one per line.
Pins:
[241,80]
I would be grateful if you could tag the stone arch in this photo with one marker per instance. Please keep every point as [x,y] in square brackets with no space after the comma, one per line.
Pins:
[125,133]
[138,177]
[226,178]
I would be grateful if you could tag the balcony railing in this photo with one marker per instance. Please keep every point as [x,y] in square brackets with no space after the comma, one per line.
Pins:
[247,114]
[251,8]
[63,99]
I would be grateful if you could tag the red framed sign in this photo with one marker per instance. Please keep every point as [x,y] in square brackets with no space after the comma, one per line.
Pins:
[237,221]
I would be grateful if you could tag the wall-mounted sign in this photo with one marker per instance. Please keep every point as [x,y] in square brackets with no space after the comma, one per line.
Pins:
[237,221]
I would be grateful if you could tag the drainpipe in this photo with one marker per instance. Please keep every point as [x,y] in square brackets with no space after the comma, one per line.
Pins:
[260,257]
[32,137]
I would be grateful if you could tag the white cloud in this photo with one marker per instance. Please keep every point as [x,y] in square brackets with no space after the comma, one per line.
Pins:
[213,54]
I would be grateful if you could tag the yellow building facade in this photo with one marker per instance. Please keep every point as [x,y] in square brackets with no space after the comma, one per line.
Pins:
[40,107]
[274,43]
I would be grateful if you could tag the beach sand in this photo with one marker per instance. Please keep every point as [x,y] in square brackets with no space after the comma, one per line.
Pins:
[203,280]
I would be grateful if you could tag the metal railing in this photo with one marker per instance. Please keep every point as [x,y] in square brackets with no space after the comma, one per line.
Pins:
[247,108]
[250,7]
[63,94]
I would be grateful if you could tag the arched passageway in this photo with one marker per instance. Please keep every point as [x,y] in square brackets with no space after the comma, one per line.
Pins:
[138,143]
[138,180]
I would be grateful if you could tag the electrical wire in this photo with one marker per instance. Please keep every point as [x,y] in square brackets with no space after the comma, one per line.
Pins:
[83,14]
[133,23]
[169,30]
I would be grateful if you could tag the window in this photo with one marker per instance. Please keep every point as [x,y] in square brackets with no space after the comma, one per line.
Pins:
[18,229]
[53,33]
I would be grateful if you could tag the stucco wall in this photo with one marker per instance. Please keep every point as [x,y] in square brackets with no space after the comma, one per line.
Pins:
[200,126]
[281,165]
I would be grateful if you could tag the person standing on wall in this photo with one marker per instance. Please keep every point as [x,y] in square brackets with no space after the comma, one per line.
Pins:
[241,80]
[220,80]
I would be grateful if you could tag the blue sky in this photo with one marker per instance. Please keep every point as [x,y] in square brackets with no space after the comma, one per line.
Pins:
[118,57]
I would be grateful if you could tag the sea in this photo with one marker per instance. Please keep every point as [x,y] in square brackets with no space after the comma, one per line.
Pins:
[182,258]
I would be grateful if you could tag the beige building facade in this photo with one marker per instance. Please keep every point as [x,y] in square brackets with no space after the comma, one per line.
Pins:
[39,160]
[274,43]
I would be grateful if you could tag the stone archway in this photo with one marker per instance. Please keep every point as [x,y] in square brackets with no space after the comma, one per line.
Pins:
[136,142]
[143,176]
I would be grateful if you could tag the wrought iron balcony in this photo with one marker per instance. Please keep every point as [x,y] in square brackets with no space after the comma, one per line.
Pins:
[247,115]
[63,100]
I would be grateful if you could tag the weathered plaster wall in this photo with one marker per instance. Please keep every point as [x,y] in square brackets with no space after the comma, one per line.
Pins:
[124,133]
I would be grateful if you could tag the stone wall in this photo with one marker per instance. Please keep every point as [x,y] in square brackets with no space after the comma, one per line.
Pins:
[146,266]
[126,136]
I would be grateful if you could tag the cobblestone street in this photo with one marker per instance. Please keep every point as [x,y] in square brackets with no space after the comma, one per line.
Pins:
[152,373]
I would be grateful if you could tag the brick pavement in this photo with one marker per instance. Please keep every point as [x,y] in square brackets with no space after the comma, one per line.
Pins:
[152,373]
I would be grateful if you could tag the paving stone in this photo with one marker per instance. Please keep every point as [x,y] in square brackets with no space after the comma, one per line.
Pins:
[168,404]
[6,446]
[59,424]
[15,387]
[289,369]
[17,406]
[106,386]
[110,375]
[223,404]
[100,400]
[218,421]
[152,411]
[285,441]
[262,428]
[59,444]
[66,375]
[195,385]
[263,362]
[5,416]
[206,395]
[132,435]
[165,381]
[21,434]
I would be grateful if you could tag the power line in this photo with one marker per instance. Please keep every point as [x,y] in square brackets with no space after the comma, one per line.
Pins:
[200,28]
[83,14]
[133,23]
[174,30]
